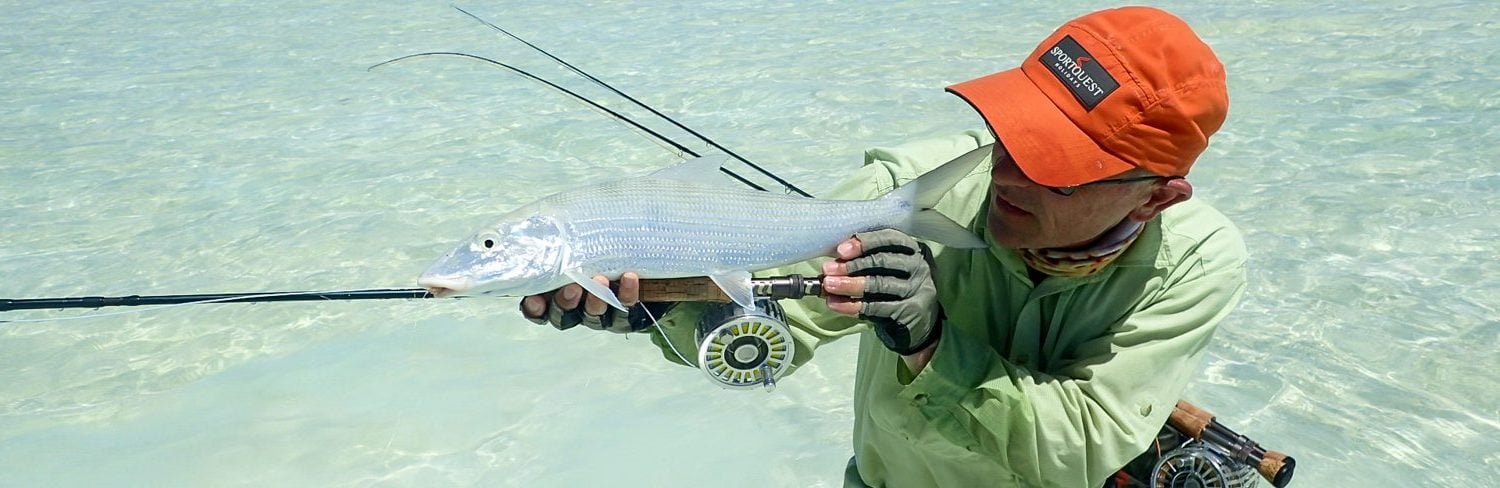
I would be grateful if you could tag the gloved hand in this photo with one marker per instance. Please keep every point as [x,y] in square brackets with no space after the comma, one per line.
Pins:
[570,306]
[885,277]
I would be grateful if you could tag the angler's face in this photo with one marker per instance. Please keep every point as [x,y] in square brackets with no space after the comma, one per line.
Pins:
[508,259]
[1024,214]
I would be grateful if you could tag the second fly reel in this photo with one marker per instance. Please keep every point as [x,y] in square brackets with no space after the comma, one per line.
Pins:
[1199,465]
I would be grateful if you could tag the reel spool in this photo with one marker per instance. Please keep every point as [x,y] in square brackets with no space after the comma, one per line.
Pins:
[741,348]
[1197,465]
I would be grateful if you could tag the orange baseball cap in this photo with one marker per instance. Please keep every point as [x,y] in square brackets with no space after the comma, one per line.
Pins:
[1113,90]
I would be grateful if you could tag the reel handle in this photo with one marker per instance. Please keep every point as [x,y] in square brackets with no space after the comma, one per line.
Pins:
[702,289]
[1275,467]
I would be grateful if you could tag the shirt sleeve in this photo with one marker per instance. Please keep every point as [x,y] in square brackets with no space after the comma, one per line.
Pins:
[1078,425]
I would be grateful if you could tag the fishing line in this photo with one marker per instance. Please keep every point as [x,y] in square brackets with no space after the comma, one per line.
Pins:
[665,337]
[595,105]
[638,103]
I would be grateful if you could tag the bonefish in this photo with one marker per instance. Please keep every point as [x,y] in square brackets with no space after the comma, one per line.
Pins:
[680,222]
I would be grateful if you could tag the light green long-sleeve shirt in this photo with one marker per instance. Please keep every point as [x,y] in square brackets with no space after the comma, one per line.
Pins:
[1057,383]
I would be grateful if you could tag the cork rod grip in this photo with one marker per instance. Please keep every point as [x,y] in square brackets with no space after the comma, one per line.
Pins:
[697,289]
[1276,468]
[1189,419]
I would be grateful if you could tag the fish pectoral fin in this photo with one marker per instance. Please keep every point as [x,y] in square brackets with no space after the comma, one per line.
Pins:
[736,284]
[702,170]
[596,289]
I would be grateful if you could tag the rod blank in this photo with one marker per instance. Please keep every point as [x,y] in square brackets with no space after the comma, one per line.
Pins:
[140,300]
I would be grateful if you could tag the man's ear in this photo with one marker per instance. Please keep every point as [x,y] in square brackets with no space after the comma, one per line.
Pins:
[1167,194]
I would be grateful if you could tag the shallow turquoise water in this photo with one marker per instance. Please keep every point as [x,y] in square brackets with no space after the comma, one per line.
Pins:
[181,147]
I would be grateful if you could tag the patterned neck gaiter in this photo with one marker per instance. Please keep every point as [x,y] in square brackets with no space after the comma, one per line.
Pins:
[1088,260]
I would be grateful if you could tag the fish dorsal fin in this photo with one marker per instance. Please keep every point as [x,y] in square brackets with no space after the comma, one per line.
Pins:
[702,170]
[736,285]
[595,289]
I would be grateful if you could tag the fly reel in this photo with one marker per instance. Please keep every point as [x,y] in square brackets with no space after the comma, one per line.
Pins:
[1198,465]
[742,348]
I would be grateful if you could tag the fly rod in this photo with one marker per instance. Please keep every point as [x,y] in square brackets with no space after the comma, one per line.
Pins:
[580,72]
[659,290]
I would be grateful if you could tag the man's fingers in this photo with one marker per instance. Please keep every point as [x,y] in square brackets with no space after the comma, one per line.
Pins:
[849,249]
[886,288]
[884,263]
[571,305]
[843,304]
[853,287]
[567,296]
[534,306]
[593,305]
[834,268]
[889,240]
[630,289]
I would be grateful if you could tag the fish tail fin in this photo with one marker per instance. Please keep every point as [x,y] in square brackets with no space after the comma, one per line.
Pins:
[924,193]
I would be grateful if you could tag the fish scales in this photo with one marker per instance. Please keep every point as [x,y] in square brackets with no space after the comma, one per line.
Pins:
[666,228]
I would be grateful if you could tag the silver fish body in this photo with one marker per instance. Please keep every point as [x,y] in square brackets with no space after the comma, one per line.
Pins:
[671,224]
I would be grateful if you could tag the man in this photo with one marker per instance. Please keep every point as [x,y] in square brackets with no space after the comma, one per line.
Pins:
[1053,357]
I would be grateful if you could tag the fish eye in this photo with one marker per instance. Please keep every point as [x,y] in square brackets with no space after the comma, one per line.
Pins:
[488,240]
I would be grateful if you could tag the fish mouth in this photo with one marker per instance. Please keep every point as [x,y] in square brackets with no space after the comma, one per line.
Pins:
[443,286]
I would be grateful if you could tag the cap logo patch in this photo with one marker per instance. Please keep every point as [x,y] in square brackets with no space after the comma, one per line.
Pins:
[1079,71]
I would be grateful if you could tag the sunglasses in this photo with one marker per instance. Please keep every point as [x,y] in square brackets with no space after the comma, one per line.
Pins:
[1068,190]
